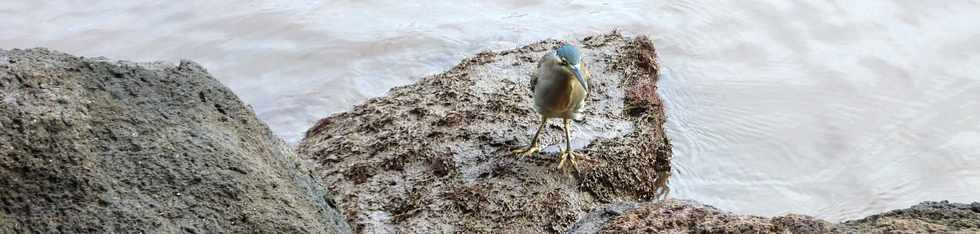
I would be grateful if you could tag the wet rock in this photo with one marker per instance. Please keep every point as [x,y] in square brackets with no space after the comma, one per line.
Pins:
[433,156]
[594,220]
[681,216]
[926,217]
[92,146]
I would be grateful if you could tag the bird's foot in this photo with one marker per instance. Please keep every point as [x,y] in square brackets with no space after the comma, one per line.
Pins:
[571,156]
[526,151]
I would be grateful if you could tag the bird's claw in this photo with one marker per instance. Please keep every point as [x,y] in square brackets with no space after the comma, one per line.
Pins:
[571,156]
[526,151]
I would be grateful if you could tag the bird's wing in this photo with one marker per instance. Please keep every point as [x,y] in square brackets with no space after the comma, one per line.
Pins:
[534,79]
[537,70]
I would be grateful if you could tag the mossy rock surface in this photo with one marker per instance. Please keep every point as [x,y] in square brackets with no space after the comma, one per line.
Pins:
[433,156]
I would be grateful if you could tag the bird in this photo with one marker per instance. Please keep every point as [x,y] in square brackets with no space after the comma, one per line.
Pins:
[560,86]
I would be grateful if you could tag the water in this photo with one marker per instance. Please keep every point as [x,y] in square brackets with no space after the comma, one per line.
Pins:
[833,109]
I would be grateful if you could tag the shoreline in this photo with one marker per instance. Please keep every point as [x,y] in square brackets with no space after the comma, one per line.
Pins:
[426,157]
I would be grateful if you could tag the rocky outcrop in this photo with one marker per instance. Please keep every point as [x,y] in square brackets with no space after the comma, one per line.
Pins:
[926,217]
[681,216]
[433,156]
[92,146]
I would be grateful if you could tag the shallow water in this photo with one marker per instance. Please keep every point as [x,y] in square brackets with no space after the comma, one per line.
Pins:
[832,109]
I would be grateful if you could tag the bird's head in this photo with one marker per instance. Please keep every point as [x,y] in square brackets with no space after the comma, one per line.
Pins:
[571,59]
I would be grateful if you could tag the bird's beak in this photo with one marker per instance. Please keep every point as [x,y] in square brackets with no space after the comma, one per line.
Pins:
[579,77]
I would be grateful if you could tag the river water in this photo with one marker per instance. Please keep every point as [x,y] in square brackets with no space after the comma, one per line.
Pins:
[835,109]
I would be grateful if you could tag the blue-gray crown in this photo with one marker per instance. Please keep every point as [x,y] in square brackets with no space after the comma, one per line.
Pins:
[569,53]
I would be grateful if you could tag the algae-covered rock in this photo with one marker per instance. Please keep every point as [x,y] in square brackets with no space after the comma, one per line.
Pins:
[682,216]
[433,156]
[926,217]
[92,146]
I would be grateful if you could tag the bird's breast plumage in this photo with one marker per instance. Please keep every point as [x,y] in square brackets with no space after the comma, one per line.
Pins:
[557,94]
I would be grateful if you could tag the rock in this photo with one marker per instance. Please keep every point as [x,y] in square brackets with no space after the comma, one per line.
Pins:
[594,220]
[92,146]
[926,217]
[433,156]
[681,216]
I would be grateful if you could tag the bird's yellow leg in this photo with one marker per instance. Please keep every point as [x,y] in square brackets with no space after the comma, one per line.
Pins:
[568,153]
[534,147]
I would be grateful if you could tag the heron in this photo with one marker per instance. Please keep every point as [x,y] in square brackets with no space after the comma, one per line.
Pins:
[560,86]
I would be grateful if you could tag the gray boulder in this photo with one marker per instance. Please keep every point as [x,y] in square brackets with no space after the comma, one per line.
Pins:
[93,146]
